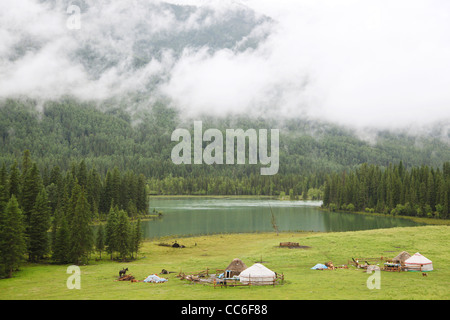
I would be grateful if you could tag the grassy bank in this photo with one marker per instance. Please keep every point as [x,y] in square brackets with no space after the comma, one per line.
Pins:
[37,281]
[424,220]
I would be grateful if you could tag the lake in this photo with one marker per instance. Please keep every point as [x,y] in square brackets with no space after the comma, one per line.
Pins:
[202,216]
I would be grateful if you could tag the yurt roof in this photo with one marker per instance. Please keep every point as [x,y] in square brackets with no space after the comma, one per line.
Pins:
[257,270]
[402,256]
[417,258]
[236,265]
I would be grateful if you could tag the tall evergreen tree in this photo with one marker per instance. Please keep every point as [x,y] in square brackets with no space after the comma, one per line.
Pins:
[116,184]
[31,186]
[14,181]
[40,223]
[81,236]
[12,237]
[111,234]
[72,202]
[100,240]
[27,163]
[136,238]
[61,246]
[4,190]
[123,235]
[142,203]
[82,175]
[107,193]
[94,189]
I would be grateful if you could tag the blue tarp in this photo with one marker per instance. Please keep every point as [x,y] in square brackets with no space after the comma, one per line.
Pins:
[222,276]
[319,266]
[154,278]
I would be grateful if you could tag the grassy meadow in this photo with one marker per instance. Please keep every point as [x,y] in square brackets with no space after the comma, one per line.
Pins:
[47,281]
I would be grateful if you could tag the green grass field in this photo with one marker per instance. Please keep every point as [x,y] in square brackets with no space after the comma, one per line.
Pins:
[46,281]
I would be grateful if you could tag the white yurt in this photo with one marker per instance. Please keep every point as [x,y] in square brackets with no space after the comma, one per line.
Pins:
[257,274]
[418,262]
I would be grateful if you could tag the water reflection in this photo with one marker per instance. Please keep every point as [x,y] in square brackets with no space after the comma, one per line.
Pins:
[199,216]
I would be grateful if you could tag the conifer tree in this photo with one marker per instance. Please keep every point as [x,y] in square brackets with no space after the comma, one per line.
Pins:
[123,235]
[61,245]
[55,223]
[100,240]
[136,238]
[27,163]
[14,181]
[82,175]
[39,226]
[72,202]
[31,186]
[107,192]
[12,237]
[94,189]
[4,192]
[111,226]
[55,176]
[81,237]
[142,197]
[116,183]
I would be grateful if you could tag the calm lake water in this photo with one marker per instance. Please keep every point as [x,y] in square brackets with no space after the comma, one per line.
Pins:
[201,216]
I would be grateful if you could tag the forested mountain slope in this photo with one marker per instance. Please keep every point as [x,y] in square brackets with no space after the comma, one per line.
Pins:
[58,133]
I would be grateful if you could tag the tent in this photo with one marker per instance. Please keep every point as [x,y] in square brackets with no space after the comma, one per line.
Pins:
[401,257]
[372,268]
[155,279]
[418,263]
[319,266]
[235,268]
[257,274]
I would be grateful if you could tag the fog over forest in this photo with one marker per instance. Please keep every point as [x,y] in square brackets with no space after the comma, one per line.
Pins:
[382,64]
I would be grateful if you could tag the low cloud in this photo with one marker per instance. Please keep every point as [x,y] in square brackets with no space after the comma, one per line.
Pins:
[382,64]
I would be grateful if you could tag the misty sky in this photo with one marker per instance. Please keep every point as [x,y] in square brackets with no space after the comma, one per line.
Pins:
[362,63]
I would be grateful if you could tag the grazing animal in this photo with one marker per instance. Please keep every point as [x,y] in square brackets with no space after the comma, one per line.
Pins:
[424,274]
[122,272]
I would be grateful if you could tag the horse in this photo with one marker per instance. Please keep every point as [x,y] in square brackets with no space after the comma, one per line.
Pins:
[122,272]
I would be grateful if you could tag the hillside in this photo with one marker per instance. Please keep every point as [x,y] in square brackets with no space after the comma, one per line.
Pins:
[58,133]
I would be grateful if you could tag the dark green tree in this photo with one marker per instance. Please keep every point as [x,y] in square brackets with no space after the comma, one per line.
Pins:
[81,236]
[82,174]
[123,235]
[111,233]
[142,202]
[38,242]
[115,187]
[14,181]
[4,190]
[12,237]
[136,238]
[61,245]
[100,240]
[107,193]
[94,190]
[31,186]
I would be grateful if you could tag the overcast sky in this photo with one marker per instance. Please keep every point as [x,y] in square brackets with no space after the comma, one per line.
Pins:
[361,63]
